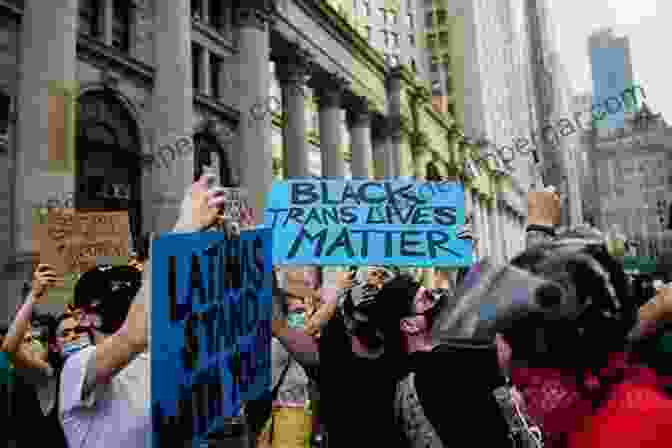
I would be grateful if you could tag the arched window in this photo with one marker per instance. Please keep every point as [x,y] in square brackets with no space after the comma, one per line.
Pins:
[108,158]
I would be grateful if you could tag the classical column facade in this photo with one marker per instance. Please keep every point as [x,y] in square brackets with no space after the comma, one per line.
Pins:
[382,148]
[256,154]
[359,120]
[293,68]
[48,71]
[330,90]
[394,117]
[172,114]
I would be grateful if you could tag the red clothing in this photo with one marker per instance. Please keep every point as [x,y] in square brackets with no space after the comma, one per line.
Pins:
[637,403]
[636,415]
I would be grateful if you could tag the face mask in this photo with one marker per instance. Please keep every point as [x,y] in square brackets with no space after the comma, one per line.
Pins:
[70,348]
[296,319]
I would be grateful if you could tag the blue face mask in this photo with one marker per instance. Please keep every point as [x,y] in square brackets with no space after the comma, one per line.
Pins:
[70,348]
[296,319]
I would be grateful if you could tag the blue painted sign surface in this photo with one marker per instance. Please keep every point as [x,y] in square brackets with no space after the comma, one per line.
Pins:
[210,333]
[366,222]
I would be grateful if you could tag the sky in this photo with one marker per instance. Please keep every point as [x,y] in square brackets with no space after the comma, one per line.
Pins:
[645,22]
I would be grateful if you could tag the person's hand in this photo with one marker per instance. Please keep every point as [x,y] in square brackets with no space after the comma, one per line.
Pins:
[659,308]
[200,206]
[44,278]
[344,280]
[278,327]
[543,208]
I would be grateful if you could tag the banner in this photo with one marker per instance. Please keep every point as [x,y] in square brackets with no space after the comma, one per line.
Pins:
[74,242]
[366,222]
[210,333]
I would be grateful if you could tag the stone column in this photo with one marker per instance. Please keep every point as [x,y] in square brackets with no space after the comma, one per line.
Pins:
[48,60]
[394,114]
[108,21]
[173,116]
[359,121]
[206,83]
[293,67]
[381,148]
[256,155]
[330,89]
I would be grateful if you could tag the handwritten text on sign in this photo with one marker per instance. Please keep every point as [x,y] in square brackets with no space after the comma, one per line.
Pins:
[211,311]
[364,222]
[73,241]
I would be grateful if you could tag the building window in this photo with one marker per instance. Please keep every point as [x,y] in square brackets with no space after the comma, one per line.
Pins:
[368,33]
[429,19]
[121,25]
[196,53]
[383,15]
[216,67]
[411,40]
[5,104]
[397,43]
[414,66]
[394,19]
[197,9]
[411,21]
[449,85]
[216,14]
[441,17]
[433,67]
[367,8]
[386,38]
[90,18]
[394,60]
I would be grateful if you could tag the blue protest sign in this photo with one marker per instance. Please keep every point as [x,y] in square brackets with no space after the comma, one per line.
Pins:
[210,330]
[367,222]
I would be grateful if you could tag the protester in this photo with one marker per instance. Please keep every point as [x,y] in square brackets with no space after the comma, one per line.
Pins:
[357,370]
[104,382]
[290,425]
[566,341]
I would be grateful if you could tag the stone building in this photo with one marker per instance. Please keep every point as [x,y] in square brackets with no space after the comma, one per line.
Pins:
[124,78]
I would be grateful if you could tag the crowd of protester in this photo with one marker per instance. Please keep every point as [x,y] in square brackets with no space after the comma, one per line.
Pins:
[554,349]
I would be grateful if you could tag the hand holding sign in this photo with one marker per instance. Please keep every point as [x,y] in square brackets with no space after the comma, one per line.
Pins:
[200,206]
[43,279]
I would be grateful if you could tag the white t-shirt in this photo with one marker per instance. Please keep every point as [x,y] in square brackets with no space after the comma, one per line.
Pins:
[113,415]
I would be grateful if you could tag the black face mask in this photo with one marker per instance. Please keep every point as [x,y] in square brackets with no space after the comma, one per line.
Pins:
[359,323]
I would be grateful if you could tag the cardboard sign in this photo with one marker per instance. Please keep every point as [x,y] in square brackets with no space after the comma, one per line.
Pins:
[74,242]
[210,333]
[366,222]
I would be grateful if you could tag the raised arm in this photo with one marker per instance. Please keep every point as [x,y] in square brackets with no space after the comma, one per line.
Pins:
[43,278]
[543,214]
[200,209]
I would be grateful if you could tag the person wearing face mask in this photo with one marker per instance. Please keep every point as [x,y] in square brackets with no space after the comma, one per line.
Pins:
[357,367]
[103,397]
[290,424]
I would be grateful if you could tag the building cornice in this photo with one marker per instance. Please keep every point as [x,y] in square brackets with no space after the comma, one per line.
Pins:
[220,109]
[104,57]
[12,7]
